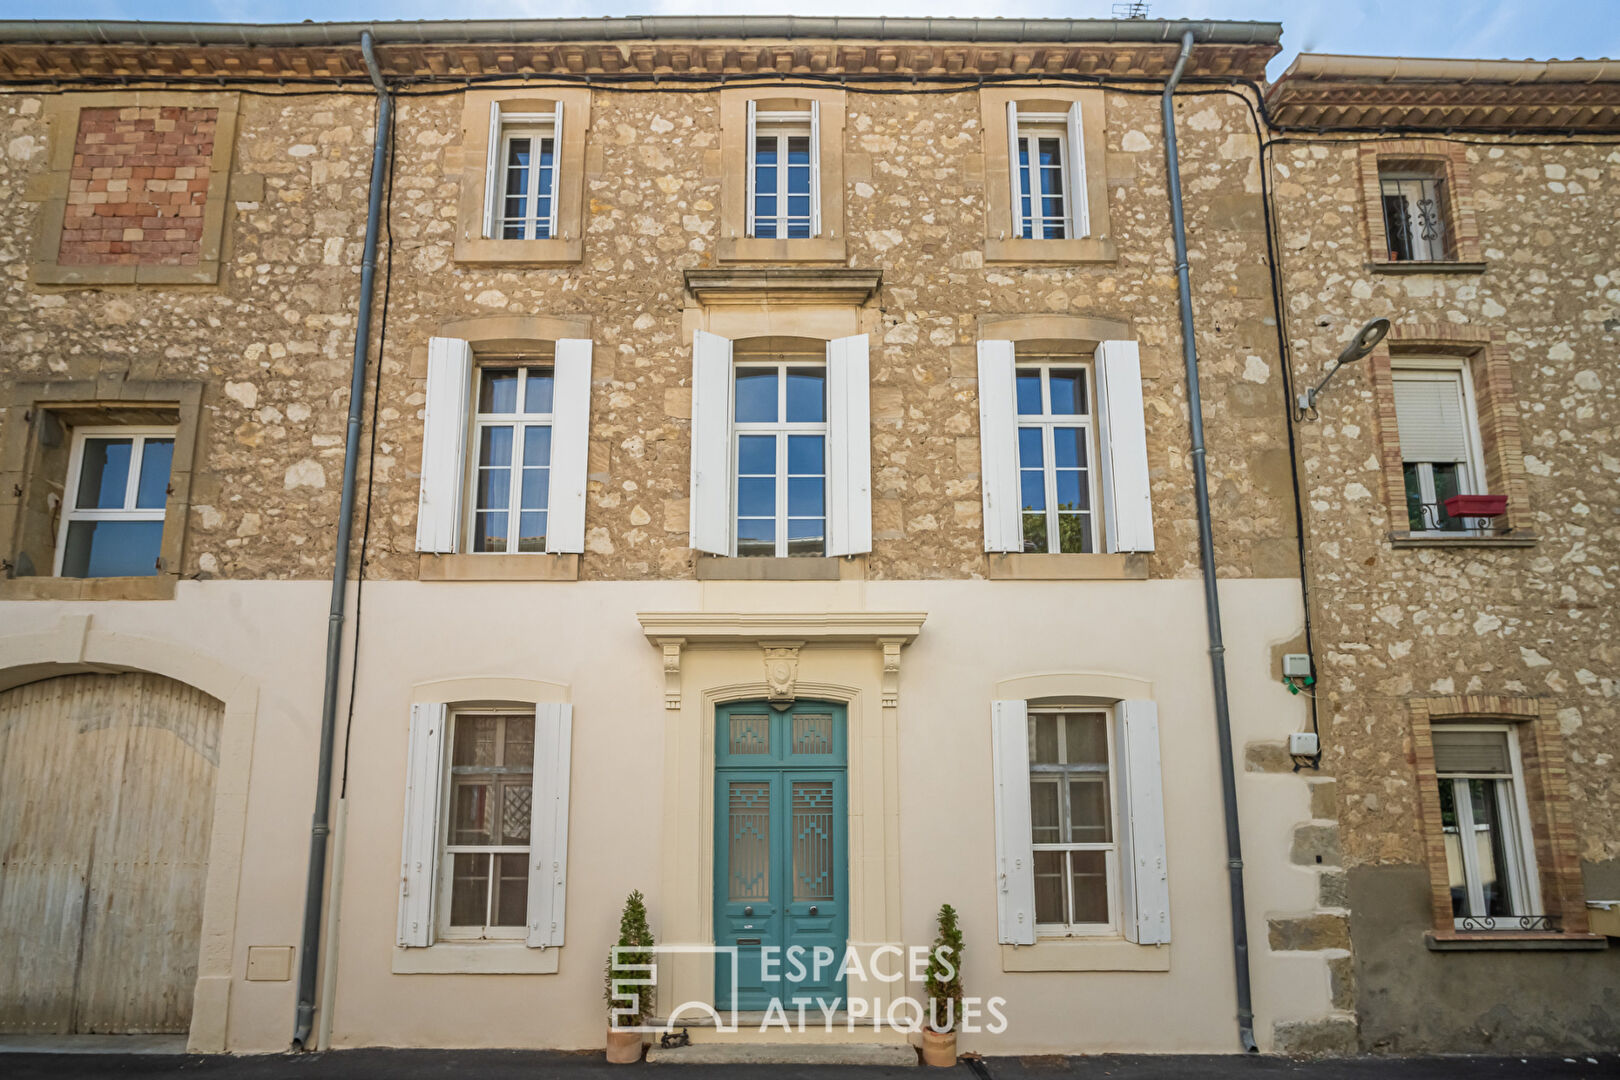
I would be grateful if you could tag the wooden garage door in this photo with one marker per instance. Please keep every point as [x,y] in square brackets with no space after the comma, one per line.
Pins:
[106,803]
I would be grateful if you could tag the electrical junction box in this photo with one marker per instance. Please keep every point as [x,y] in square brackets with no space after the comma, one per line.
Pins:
[1303,744]
[1296,665]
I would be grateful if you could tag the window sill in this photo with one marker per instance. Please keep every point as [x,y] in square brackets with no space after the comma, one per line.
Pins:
[1121,566]
[483,250]
[1516,539]
[1450,941]
[536,566]
[760,249]
[835,568]
[1078,954]
[476,958]
[155,587]
[1414,266]
[1019,250]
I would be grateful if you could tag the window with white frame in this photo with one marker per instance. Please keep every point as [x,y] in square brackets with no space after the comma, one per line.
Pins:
[486,842]
[780,426]
[116,494]
[1490,857]
[521,196]
[1046,154]
[1072,820]
[1439,435]
[1056,452]
[512,459]
[1414,216]
[784,173]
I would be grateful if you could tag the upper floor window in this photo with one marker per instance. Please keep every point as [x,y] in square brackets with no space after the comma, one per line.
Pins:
[1439,435]
[1072,820]
[1046,155]
[1056,449]
[513,440]
[780,423]
[521,201]
[1414,216]
[784,173]
[117,492]
[1484,818]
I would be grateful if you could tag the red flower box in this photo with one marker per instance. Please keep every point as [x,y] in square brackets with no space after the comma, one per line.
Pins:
[1485,506]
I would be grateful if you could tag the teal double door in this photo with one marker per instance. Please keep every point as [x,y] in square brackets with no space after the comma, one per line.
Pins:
[781,881]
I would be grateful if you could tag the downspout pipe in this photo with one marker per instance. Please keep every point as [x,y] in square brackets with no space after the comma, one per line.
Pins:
[314,888]
[1206,551]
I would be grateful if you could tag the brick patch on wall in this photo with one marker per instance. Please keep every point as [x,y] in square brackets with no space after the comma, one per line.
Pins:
[138,185]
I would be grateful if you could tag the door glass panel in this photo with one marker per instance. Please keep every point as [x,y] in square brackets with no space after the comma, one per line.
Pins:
[750,735]
[1089,874]
[813,840]
[812,733]
[749,857]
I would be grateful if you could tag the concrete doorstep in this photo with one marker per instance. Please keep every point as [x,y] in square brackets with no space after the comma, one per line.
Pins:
[784,1053]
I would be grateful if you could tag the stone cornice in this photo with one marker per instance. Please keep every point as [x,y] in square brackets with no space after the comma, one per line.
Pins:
[734,628]
[783,285]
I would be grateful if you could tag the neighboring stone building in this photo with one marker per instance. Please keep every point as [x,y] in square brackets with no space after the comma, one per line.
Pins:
[1470,203]
[748,446]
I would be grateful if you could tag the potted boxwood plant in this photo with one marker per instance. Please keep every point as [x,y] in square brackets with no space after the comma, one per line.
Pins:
[944,989]
[635,947]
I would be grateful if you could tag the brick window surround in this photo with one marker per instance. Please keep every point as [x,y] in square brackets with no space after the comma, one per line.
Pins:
[1444,160]
[39,419]
[998,246]
[477,157]
[136,188]
[1489,366]
[734,245]
[1552,822]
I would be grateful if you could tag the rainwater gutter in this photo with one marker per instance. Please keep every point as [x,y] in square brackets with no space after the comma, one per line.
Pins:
[309,952]
[1206,551]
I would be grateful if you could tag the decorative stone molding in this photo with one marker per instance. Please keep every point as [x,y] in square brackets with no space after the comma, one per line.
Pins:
[891,671]
[789,284]
[672,671]
[781,669]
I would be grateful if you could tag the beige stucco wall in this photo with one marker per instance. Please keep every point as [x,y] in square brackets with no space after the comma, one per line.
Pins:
[585,638]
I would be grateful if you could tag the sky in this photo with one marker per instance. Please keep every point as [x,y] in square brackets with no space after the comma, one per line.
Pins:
[1493,29]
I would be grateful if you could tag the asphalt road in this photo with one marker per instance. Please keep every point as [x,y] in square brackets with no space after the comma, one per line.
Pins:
[530,1065]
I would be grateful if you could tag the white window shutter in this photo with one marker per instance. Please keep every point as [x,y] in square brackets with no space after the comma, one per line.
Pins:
[494,166]
[998,447]
[1127,489]
[444,441]
[570,446]
[849,446]
[1144,881]
[710,497]
[1430,417]
[815,168]
[420,847]
[1016,187]
[1079,209]
[548,824]
[556,168]
[1015,853]
[748,170]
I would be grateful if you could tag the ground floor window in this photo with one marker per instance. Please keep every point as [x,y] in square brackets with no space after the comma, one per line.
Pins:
[1490,860]
[1072,819]
[486,852]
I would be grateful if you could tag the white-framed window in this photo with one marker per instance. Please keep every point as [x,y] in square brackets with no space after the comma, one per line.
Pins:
[505,450]
[1057,476]
[781,448]
[780,458]
[1414,216]
[1079,810]
[485,847]
[1046,155]
[520,197]
[113,506]
[784,173]
[1438,428]
[485,868]
[511,460]
[1485,817]
[1071,754]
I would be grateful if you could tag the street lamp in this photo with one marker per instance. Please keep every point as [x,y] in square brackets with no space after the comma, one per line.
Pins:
[1365,341]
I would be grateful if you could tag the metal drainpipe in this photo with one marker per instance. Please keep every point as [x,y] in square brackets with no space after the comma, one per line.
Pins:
[309,956]
[1206,550]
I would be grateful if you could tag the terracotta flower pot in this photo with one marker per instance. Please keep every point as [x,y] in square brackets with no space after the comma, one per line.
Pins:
[939,1048]
[623,1047]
